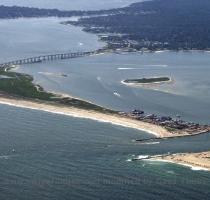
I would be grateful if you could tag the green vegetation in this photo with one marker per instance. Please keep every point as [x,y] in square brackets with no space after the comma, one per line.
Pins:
[11,12]
[21,85]
[147,80]
[150,25]
[154,25]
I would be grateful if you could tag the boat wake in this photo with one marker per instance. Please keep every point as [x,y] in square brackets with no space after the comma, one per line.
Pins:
[136,68]
[81,44]
[126,68]
[98,78]
[117,94]
[149,143]
[6,157]
[156,65]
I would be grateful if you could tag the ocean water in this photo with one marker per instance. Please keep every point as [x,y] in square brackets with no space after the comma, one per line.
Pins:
[48,156]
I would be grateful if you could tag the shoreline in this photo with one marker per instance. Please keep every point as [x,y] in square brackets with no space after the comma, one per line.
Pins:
[26,94]
[170,81]
[196,161]
[86,114]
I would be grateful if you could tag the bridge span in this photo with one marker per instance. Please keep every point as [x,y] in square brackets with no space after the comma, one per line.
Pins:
[39,59]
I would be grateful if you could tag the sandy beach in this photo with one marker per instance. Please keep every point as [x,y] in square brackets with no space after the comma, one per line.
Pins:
[87,114]
[196,161]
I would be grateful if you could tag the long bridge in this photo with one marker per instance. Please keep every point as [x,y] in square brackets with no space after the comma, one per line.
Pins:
[52,57]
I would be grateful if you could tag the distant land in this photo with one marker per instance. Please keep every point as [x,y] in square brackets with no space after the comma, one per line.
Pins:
[10,12]
[155,25]
[150,25]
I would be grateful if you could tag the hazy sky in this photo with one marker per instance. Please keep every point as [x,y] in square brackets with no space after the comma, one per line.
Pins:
[71,4]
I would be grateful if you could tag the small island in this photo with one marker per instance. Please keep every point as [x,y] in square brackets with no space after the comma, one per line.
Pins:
[147,81]
[19,90]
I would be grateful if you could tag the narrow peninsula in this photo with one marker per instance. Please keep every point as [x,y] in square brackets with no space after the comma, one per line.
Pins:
[197,161]
[19,90]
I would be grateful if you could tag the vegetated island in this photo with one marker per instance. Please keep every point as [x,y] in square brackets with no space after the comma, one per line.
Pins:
[147,81]
[18,90]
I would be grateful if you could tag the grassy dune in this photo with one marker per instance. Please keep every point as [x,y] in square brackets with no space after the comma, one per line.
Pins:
[22,85]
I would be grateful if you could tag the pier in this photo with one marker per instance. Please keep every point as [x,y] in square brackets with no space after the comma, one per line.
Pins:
[39,59]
